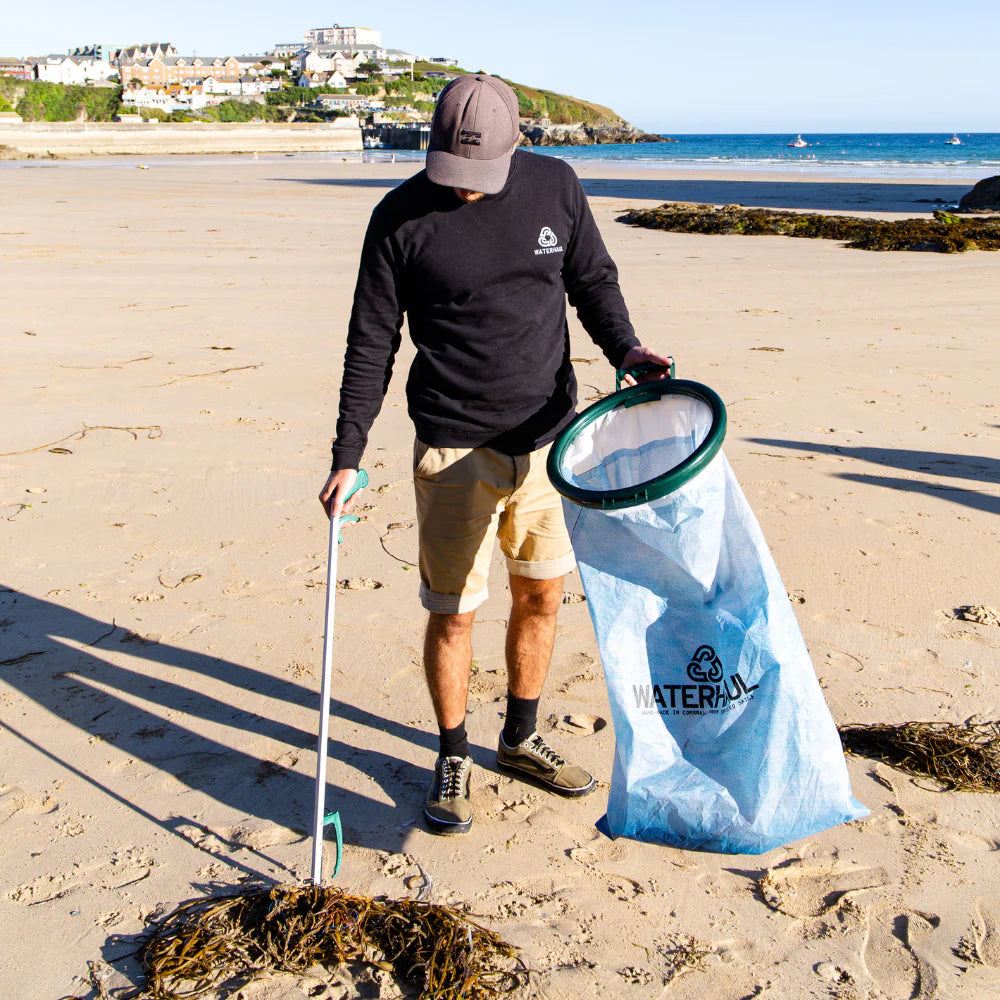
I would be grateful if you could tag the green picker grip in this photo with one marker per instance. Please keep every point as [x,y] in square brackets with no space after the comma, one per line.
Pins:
[359,484]
[333,819]
[639,370]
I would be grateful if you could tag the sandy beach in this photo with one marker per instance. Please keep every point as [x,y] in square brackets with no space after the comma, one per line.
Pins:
[172,341]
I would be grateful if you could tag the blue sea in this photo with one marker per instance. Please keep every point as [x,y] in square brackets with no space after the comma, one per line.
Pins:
[887,155]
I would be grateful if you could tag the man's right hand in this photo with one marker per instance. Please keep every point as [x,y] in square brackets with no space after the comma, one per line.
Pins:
[334,491]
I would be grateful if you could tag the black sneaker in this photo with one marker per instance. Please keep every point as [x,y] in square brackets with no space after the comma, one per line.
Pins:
[447,808]
[534,759]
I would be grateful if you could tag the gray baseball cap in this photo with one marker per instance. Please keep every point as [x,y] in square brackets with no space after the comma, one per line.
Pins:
[473,132]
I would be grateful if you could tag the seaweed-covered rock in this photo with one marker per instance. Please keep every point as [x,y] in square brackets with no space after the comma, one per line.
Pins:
[945,233]
[984,197]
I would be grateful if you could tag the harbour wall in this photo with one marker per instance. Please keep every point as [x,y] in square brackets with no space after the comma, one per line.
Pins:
[118,138]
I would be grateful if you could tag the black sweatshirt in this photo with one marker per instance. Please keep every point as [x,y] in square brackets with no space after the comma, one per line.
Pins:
[484,286]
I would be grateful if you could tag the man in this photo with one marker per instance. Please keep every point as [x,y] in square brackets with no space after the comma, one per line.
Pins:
[480,250]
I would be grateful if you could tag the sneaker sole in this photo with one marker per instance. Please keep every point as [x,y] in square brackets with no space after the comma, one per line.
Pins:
[534,779]
[445,829]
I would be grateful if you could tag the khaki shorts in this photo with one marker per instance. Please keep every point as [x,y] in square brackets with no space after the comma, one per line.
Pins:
[467,497]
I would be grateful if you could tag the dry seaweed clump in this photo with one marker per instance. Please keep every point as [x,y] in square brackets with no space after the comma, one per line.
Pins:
[945,233]
[206,945]
[963,757]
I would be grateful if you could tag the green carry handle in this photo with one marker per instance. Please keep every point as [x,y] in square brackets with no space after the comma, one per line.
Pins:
[639,370]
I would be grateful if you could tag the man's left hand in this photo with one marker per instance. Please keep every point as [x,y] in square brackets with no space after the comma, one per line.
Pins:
[646,356]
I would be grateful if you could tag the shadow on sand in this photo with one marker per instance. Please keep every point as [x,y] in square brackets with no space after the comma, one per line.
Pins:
[856,197]
[56,657]
[977,468]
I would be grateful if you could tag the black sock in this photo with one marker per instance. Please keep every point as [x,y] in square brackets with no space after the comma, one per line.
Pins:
[521,719]
[454,742]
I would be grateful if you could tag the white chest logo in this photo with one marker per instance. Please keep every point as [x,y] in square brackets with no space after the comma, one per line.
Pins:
[548,242]
[547,238]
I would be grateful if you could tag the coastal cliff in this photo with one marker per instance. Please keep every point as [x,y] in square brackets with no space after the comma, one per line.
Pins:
[582,134]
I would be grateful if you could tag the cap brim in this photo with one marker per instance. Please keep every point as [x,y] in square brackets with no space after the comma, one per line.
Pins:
[449,170]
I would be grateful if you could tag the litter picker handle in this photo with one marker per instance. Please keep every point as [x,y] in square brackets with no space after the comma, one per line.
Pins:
[320,817]
[646,368]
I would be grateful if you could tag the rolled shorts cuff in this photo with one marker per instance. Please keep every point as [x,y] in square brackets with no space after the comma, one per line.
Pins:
[450,604]
[548,569]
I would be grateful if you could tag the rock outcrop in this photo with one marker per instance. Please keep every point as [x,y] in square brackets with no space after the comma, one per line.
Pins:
[584,135]
[984,197]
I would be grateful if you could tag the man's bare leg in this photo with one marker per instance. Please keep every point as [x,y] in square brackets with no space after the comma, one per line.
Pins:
[531,633]
[530,638]
[447,665]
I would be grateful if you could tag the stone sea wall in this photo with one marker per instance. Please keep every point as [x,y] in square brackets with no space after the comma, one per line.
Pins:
[89,139]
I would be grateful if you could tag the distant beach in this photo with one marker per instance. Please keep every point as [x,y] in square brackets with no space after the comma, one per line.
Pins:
[888,156]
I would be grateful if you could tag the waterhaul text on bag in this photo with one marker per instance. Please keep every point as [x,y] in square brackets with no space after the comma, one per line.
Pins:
[723,739]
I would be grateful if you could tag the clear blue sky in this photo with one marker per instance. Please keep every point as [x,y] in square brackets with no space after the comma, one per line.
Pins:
[667,66]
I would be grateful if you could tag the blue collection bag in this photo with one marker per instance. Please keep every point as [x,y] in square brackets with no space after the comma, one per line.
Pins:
[723,739]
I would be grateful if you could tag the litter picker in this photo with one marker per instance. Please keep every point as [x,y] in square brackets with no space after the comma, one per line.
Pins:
[321,818]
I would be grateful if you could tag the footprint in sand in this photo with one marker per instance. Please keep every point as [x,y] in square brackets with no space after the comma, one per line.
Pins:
[982,614]
[360,583]
[889,956]
[581,725]
[983,944]
[308,565]
[14,800]
[804,890]
[258,834]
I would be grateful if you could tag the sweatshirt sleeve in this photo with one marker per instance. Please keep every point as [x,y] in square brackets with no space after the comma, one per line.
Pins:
[591,281]
[373,337]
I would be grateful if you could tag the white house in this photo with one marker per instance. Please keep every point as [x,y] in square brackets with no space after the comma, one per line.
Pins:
[252,66]
[349,102]
[321,80]
[228,85]
[343,36]
[330,61]
[20,69]
[254,85]
[145,97]
[286,50]
[312,80]
[78,70]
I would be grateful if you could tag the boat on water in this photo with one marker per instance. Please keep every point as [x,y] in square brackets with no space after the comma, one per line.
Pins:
[798,144]
[954,140]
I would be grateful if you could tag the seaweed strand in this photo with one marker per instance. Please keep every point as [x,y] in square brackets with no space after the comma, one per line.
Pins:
[204,944]
[963,757]
[944,233]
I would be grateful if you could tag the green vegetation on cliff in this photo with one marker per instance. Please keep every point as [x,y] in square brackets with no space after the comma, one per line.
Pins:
[54,102]
[560,109]
[36,101]
[532,102]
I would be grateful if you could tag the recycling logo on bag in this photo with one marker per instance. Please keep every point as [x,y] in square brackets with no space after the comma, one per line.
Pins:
[706,696]
[697,670]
